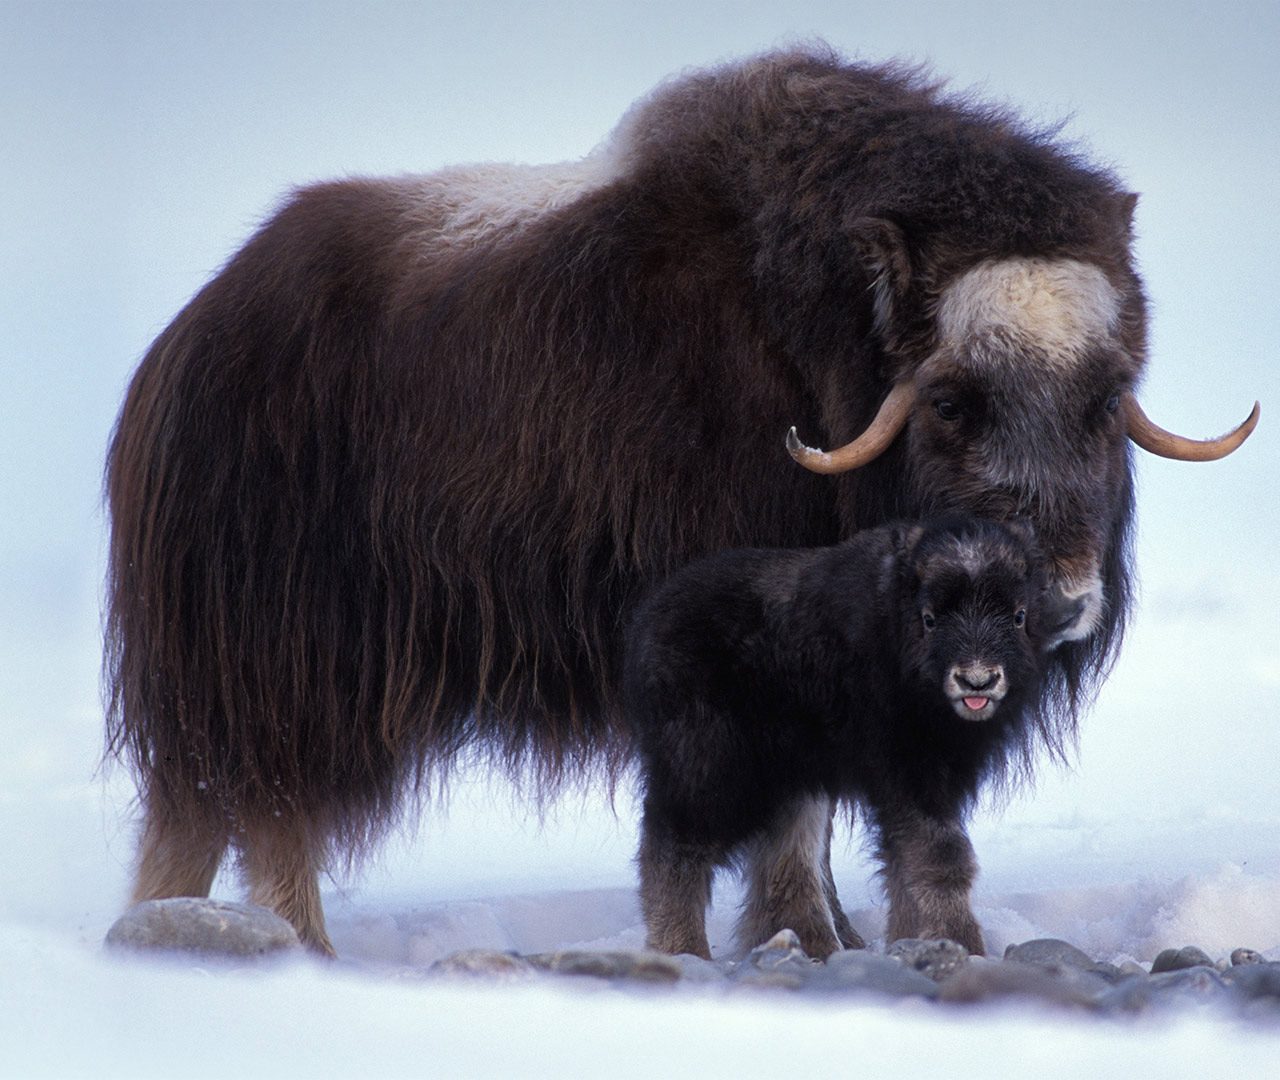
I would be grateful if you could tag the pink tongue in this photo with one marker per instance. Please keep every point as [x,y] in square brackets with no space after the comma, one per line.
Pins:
[977,704]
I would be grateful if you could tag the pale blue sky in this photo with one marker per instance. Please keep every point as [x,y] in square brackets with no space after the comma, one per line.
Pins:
[141,142]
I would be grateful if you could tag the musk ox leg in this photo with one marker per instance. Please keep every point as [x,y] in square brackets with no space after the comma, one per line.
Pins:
[675,889]
[281,862]
[176,859]
[788,880]
[929,867]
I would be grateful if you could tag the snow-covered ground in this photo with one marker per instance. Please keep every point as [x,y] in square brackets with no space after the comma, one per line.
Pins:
[489,874]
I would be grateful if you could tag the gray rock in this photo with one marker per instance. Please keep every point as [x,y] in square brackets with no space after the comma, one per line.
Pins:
[1240,957]
[938,958]
[1254,980]
[641,967]
[209,928]
[780,963]
[1059,985]
[694,969]
[783,947]
[1186,986]
[1050,951]
[485,963]
[1107,972]
[856,971]
[1180,959]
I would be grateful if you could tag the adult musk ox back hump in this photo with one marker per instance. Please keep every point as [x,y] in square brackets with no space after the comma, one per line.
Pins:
[390,483]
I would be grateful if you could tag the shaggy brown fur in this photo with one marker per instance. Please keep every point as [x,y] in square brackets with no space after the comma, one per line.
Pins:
[391,483]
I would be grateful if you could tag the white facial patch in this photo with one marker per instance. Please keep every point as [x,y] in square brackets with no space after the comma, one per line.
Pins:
[1050,309]
[1091,596]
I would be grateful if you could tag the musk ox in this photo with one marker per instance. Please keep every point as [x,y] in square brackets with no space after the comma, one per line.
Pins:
[897,671]
[390,484]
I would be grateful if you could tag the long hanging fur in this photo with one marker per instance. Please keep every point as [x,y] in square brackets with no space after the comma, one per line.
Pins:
[390,484]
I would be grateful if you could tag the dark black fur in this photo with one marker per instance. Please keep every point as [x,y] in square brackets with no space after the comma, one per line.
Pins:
[761,679]
[388,488]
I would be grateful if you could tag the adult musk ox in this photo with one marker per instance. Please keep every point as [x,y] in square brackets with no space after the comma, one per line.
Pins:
[390,484]
[897,670]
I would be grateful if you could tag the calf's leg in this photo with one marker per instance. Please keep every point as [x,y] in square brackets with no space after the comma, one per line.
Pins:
[849,937]
[675,888]
[789,882]
[929,867]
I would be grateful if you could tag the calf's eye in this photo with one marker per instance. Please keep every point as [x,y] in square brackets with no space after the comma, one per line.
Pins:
[929,621]
[1020,617]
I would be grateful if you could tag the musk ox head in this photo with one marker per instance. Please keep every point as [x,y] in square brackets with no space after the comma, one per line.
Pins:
[978,616]
[1013,395]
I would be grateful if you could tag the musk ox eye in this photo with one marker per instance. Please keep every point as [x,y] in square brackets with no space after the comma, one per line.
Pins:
[929,621]
[1113,403]
[1020,618]
[947,409]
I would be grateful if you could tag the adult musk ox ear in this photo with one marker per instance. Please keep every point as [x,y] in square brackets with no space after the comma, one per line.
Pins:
[882,250]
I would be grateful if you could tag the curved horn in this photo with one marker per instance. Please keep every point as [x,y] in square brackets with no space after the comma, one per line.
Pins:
[868,446]
[1156,440]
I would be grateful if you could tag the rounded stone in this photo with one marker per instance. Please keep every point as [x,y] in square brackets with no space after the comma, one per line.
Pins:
[1240,957]
[1258,980]
[1050,951]
[1180,959]
[203,927]
[937,958]
[1184,986]
[1046,984]
[645,967]
[485,963]
[856,971]
[783,950]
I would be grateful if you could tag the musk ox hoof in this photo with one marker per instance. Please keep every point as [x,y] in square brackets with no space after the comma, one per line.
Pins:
[211,928]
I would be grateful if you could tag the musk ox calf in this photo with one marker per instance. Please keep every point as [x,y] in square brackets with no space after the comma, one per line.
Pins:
[897,670]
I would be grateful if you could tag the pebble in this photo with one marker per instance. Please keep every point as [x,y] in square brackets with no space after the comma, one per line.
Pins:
[1054,984]
[485,963]
[1044,973]
[859,971]
[207,928]
[638,967]
[1197,985]
[1180,959]
[1240,957]
[780,963]
[938,958]
[1049,951]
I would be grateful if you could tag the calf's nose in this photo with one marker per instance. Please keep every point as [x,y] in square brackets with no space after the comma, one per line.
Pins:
[977,679]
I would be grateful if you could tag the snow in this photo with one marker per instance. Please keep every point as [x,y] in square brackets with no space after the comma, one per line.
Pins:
[488,873]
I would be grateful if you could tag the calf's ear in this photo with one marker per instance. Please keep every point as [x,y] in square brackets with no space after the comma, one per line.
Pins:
[904,538]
